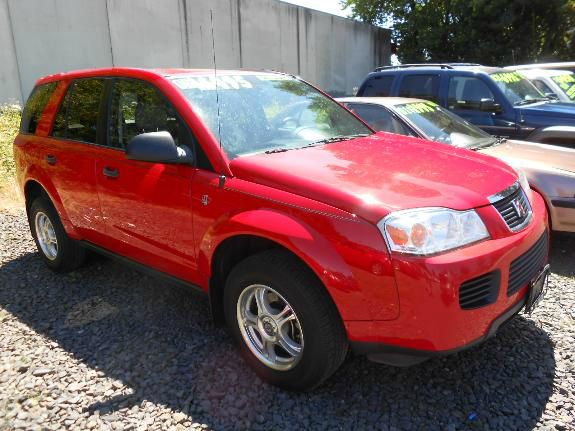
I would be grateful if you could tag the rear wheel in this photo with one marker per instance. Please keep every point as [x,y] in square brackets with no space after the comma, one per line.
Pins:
[59,252]
[286,326]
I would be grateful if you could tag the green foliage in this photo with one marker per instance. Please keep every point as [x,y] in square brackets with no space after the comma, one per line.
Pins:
[9,125]
[494,32]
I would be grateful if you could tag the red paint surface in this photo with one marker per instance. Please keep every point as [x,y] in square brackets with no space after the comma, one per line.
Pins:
[321,203]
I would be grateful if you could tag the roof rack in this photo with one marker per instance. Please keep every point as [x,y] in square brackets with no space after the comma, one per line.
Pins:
[440,65]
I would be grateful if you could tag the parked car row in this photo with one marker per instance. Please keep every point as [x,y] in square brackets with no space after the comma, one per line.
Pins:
[500,101]
[311,233]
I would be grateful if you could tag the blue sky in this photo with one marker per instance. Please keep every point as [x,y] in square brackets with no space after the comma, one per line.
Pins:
[329,6]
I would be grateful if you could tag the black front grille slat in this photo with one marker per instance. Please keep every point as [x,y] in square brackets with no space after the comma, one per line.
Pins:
[480,291]
[517,270]
[525,267]
[508,211]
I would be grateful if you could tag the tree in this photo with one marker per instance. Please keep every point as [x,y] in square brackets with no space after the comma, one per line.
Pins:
[495,32]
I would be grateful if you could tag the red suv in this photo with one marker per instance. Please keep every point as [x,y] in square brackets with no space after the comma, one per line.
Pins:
[310,233]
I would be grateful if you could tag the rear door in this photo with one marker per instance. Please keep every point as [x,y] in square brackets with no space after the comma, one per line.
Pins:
[146,206]
[70,154]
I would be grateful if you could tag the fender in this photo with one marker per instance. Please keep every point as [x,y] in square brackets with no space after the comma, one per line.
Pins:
[319,254]
[564,134]
[37,174]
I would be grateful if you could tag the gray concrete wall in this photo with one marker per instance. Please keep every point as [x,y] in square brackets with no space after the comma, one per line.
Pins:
[40,37]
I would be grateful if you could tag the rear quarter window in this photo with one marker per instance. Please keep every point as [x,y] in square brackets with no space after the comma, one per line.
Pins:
[35,106]
[378,86]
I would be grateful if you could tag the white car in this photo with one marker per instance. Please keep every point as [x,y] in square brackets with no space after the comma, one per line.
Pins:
[553,82]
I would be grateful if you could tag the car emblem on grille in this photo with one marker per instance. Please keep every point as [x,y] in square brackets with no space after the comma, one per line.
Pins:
[520,207]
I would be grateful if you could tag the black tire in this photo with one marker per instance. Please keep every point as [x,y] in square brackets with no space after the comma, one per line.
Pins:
[70,255]
[325,340]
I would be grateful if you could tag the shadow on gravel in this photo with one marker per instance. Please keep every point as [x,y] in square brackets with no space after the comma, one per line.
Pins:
[160,342]
[563,254]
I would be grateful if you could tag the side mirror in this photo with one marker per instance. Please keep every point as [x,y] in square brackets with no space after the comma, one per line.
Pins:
[489,105]
[157,147]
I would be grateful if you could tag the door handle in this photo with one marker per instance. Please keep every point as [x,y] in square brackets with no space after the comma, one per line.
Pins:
[51,159]
[111,172]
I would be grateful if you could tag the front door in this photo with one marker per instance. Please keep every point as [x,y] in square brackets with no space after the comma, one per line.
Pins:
[464,99]
[146,206]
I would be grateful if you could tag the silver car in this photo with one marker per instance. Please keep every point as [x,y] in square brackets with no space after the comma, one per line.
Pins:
[554,83]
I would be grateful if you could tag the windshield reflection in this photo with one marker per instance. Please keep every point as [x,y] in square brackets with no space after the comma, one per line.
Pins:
[266,112]
[516,88]
[440,125]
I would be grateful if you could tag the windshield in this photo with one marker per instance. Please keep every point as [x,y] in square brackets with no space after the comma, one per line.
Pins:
[267,112]
[517,89]
[567,84]
[440,125]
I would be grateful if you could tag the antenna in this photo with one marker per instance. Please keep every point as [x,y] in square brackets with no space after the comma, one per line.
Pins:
[216,80]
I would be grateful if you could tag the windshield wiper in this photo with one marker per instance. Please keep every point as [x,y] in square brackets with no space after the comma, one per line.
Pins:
[529,101]
[318,142]
[497,140]
[278,150]
[336,139]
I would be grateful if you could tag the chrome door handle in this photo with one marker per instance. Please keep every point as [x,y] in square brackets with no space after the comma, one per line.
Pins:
[51,159]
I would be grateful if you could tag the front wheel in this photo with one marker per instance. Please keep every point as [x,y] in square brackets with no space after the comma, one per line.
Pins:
[285,324]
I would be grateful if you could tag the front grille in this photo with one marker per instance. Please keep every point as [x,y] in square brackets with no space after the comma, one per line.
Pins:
[515,209]
[480,291]
[525,267]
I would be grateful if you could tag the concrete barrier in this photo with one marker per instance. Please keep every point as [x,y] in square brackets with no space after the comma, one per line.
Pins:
[38,38]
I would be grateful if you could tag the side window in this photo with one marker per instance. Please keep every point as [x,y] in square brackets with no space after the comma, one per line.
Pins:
[420,87]
[379,118]
[466,92]
[35,106]
[378,86]
[541,86]
[138,107]
[77,118]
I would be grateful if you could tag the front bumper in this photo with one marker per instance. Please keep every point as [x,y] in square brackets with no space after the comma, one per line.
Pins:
[405,357]
[431,320]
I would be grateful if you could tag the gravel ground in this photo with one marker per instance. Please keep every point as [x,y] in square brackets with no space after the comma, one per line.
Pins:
[109,348]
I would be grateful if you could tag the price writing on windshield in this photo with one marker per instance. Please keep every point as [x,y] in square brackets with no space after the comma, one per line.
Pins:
[417,108]
[507,77]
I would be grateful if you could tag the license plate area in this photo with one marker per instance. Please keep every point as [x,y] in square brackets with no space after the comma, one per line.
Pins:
[537,289]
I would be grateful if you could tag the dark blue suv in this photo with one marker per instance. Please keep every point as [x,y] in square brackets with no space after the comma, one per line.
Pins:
[500,101]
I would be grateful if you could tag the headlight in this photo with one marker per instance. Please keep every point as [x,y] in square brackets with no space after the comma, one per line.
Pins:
[425,231]
[524,182]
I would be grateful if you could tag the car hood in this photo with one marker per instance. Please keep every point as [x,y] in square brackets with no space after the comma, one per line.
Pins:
[555,109]
[375,175]
[534,156]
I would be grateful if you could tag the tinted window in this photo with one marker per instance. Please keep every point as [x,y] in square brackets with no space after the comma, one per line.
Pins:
[77,118]
[35,106]
[379,118]
[420,86]
[138,107]
[466,92]
[378,86]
